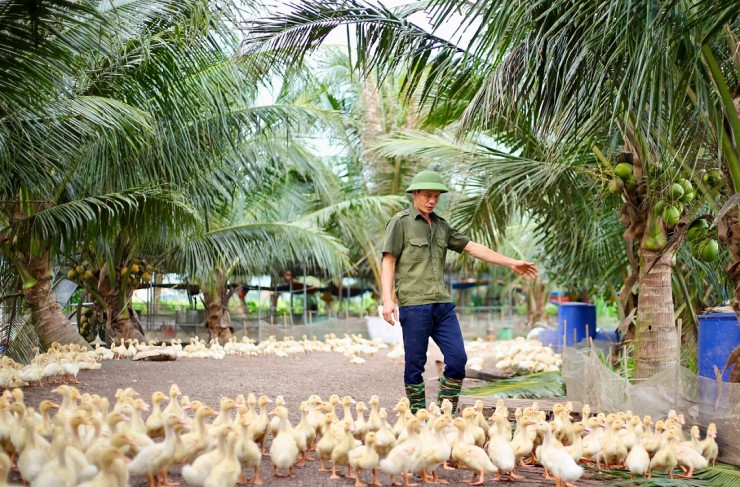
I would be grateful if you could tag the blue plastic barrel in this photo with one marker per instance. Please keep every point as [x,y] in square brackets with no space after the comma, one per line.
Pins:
[606,334]
[552,338]
[577,319]
[719,334]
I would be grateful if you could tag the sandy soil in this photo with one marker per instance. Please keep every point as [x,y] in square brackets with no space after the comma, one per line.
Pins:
[295,379]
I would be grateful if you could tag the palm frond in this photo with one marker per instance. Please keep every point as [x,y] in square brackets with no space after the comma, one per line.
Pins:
[543,384]
[721,475]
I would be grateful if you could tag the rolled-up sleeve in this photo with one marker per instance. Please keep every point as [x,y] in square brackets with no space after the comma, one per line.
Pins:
[457,241]
[393,239]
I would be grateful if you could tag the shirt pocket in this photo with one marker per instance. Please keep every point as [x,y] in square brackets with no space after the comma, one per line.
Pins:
[417,250]
[442,243]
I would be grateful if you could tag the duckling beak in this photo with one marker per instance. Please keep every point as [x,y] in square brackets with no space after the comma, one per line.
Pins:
[54,405]
[272,413]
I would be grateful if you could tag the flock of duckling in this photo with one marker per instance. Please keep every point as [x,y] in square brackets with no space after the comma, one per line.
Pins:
[520,355]
[86,442]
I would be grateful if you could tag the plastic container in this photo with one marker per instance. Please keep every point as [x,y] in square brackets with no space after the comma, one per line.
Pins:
[552,338]
[606,334]
[719,334]
[578,320]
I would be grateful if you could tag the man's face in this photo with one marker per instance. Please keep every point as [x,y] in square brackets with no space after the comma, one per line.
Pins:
[426,199]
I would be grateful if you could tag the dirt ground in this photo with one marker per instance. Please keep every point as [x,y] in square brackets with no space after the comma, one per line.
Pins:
[296,379]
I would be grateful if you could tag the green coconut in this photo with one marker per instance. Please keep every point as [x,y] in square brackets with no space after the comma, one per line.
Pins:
[146,277]
[87,275]
[688,197]
[80,269]
[675,191]
[623,170]
[71,274]
[124,272]
[630,183]
[712,177]
[615,185]
[671,215]
[697,230]
[134,268]
[658,207]
[708,250]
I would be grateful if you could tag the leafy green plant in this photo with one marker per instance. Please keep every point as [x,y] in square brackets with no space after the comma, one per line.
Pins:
[542,384]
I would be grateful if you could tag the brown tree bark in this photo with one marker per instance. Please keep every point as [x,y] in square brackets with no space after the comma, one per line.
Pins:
[215,304]
[537,298]
[118,322]
[51,323]
[655,334]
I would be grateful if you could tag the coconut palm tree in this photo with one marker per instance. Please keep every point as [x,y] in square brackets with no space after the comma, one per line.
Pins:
[589,77]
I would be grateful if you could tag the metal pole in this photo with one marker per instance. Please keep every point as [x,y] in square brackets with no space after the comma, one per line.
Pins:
[259,309]
[305,298]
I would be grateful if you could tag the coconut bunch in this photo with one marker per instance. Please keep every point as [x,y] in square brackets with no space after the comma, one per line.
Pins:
[520,355]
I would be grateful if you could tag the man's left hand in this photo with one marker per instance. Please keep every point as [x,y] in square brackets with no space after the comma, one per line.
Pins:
[524,269]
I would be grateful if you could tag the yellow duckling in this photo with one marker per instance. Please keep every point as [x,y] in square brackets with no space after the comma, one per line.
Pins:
[155,421]
[156,458]
[305,431]
[664,459]
[373,420]
[173,407]
[522,442]
[710,450]
[35,453]
[195,442]
[500,450]
[113,472]
[198,472]
[471,457]
[361,427]
[62,473]
[248,452]
[327,443]
[436,449]
[556,460]
[613,452]
[364,457]
[261,426]
[5,470]
[402,458]
[340,453]
[688,458]
[275,421]
[385,440]
[638,460]
[284,450]
[226,472]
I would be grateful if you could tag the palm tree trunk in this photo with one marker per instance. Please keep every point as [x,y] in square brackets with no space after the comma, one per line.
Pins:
[214,303]
[119,324]
[51,323]
[655,334]
[729,234]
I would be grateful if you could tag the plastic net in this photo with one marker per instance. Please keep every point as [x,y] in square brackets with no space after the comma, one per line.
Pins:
[701,400]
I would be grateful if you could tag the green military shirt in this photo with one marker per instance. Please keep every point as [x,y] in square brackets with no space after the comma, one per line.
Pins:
[420,252]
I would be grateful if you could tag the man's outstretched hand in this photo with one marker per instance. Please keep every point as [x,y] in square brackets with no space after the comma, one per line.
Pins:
[525,269]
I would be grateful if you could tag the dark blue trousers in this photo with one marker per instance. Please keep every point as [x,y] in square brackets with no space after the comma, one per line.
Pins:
[438,321]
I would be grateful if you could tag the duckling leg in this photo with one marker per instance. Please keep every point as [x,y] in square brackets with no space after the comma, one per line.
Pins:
[350,473]
[303,460]
[481,480]
[150,478]
[547,475]
[436,479]
[514,476]
[256,480]
[334,474]
[165,480]
[358,482]
[290,472]
[376,481]
[447,467]
[405,476]
[322,468]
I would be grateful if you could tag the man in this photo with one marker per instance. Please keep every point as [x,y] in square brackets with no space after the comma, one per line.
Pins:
[416,241]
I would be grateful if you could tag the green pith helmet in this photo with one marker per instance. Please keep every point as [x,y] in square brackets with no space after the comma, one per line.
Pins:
[427,180]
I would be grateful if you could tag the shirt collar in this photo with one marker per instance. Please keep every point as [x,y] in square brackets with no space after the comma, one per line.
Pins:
[415,213]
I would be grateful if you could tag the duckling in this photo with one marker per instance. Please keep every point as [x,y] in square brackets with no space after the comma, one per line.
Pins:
[260,427]
[556,460]
[361,427]
[471,457]
[275,421]
[653,443]
[284,450]
[156,458]
[248,452]
[500,450]
[402,457]
[478,434]
[638,460]
[326,444]
[5,470]
[522,442]
[113,472]
[347,402]
[710,450]
[688,458]
[198,472]
[305,429]
[373,420]
[436,449]
[665,458]
[226,472]
[33,457]
[315,416]
[62,473]
[196,442]
[224,418]
[402,407]
[365,457]
[340,453]
[576,447]
[385,440]
[613,452]
[155,421]
[173,407]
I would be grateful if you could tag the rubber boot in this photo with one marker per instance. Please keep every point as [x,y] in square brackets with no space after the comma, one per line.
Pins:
[450,389]
[417,396]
